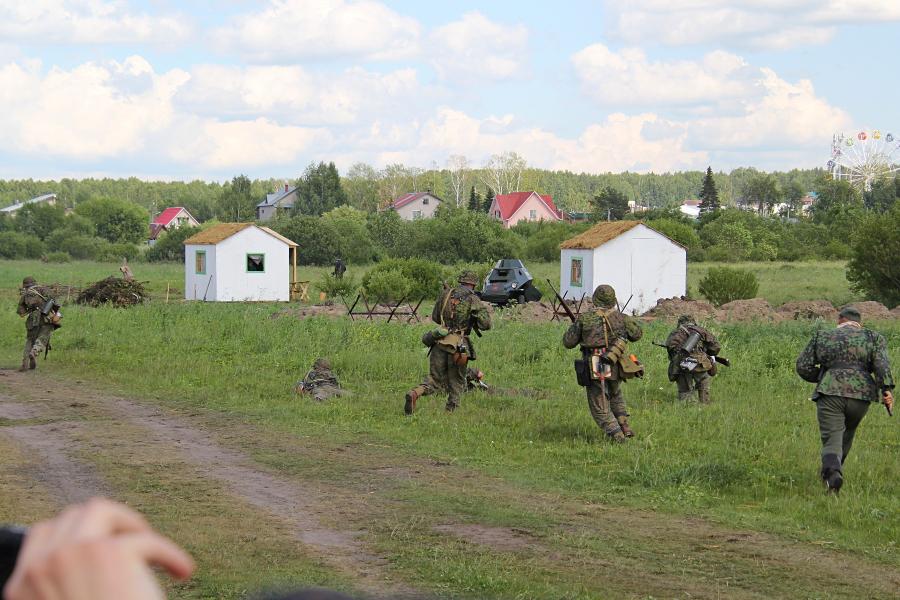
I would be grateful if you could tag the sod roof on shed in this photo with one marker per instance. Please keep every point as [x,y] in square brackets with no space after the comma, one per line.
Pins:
[598,235]
[223,231]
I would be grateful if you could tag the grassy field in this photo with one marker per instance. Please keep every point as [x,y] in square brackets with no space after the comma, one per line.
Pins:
[747,461]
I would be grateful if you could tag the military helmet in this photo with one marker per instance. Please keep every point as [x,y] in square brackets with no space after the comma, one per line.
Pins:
[28,282]
[851,314]
[322,364]
[686,319]
[604,296]
[468,277]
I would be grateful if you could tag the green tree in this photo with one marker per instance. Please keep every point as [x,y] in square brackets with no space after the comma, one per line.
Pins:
[709,195]
[319,190]
[474,200]
[488,200]
[763,191]
[794,194]
[116,220]
[883,195]
[609,205]
[170,246]
[39,219]
[873,267]
[356,245]
[361,187]
[319,243]
[838,206]
[237,203]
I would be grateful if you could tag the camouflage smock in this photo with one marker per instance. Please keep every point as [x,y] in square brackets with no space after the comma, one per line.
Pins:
[592,330]
[855,363]
[457,308]
[30,303]
[708,346]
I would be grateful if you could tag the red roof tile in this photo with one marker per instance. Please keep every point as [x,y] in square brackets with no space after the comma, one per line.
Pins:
[407,198]
[166,216]
[510,203]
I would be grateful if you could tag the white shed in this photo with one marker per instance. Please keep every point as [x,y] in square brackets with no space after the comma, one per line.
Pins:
[638,261]
[239,262]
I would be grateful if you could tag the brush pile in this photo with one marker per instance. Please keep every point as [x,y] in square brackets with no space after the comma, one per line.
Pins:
[64,294]
[113,290]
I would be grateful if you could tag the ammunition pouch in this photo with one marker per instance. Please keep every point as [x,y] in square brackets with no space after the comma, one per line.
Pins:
[615,352]
[430,338]
[461,359]
[630,368]
[583,372]
[450,342]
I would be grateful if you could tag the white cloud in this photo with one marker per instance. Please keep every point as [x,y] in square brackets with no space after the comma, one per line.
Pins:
[475,48]
[627,78]
[292,30]
[85,22]
[766,24]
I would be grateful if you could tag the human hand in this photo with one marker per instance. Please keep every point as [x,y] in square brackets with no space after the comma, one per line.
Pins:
[888,399]
[99,550]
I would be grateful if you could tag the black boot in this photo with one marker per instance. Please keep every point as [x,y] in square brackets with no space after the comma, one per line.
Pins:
[831,473]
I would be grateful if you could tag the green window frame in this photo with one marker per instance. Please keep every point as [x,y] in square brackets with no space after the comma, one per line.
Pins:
[262,262]
[576,272]
[200,262]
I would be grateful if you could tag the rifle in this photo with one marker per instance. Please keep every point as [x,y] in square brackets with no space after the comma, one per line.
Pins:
[718,359]
[562,302]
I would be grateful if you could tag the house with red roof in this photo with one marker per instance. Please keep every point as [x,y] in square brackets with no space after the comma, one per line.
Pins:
[416,205]
[524,206]
[171,218]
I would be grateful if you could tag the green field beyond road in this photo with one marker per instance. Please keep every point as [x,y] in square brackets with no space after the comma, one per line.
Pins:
[748,461]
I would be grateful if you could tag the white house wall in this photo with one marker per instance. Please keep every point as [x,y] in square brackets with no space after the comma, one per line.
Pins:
[406,211]
[195,284]
[234,283]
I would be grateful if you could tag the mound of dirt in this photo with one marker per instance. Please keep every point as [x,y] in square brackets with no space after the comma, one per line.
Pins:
[113,290]
[895,312]
[813,309]
[872,310]
[672,308]
[754,309]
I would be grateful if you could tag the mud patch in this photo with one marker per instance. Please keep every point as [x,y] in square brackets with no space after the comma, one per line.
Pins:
[498,538]
[332,311]
[754,309]
[16,411]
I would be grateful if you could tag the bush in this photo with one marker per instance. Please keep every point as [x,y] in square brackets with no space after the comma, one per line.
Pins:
[116,220]
[724,284]
[58,257]
[334,287]
[387,285]
[873,268]
[82,247]
[12,244]
[170,245]
[423,278]
[116,252]
[319,242]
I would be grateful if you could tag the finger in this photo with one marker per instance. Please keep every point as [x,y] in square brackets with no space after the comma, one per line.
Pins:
[160,551]
[101,517]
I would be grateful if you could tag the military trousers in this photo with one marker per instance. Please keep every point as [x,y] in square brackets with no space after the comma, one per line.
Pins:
[607,408]
[690,381]
[444,374]
[36,340]
[838,419]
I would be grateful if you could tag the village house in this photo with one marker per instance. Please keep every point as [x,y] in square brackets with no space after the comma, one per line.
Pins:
[415,205]
[283,199]
[171,218]
[42,199]
[233,262]
[638,261]
[524,206]
[690,208]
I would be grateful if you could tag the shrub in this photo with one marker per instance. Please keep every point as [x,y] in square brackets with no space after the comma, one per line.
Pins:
[58,257]
[82,247]
[116,252]
[116,220]
[873,267]
[724,284]
[170,245]
[12,244]
[386,285]
[319,242]
[423,277]
[334,287]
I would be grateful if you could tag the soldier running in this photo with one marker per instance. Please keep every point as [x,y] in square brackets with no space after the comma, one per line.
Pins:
[41,318]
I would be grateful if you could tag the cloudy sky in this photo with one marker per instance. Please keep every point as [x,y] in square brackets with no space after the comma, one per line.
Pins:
[197,88]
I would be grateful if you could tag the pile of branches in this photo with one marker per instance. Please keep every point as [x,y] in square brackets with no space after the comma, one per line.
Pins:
[60,292]
[115,291]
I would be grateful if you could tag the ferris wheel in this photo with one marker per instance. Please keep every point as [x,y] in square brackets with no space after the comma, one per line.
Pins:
[864,157]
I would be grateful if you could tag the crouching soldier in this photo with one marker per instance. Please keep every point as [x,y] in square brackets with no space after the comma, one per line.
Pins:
[320,382]
[692,358]
[603,335]
[41,319]
[458,312]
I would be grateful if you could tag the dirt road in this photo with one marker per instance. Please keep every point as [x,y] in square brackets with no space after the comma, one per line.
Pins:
[347,510]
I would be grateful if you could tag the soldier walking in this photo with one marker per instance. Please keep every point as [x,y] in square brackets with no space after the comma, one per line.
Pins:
[603,335]
[458,312]
[41,315]
[850,367]
[692,358]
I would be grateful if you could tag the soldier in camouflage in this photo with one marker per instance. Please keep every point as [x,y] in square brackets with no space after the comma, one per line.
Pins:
[692,370]
[38,326]
[850,368]
[457,311]
[597,332]
[320,382]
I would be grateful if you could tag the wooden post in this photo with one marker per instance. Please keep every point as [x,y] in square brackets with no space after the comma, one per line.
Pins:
[293,268]
[167,292]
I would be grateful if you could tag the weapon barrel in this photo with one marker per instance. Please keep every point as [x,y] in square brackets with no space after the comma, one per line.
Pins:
[562,302]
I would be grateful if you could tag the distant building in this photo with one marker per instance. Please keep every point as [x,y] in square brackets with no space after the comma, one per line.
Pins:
[43,199]
[807,202]
[415,205]
[638,261]
[524,206]
[232,262]
[690,208]
[283,199]
[171,218]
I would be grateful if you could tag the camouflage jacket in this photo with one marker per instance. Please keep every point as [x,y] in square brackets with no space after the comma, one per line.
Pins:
[708,345]
[600,328]
[848,361]
[317,378]
[30,304]
[458,308]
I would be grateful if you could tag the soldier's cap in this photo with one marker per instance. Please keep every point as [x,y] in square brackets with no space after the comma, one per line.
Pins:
[468,277]
[685,319]
[604,296]
[322,363]
[28,281]
[848,312]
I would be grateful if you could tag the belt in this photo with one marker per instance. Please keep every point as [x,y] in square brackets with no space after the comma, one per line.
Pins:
[847,365]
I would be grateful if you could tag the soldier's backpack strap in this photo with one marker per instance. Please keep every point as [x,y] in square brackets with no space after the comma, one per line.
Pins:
[607,327]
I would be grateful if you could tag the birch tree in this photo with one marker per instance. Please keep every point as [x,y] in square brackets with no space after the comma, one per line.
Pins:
[458,166]
[503,172]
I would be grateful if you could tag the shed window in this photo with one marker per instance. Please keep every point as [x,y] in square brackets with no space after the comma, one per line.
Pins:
[256,263]
[576,273]
[200,262]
